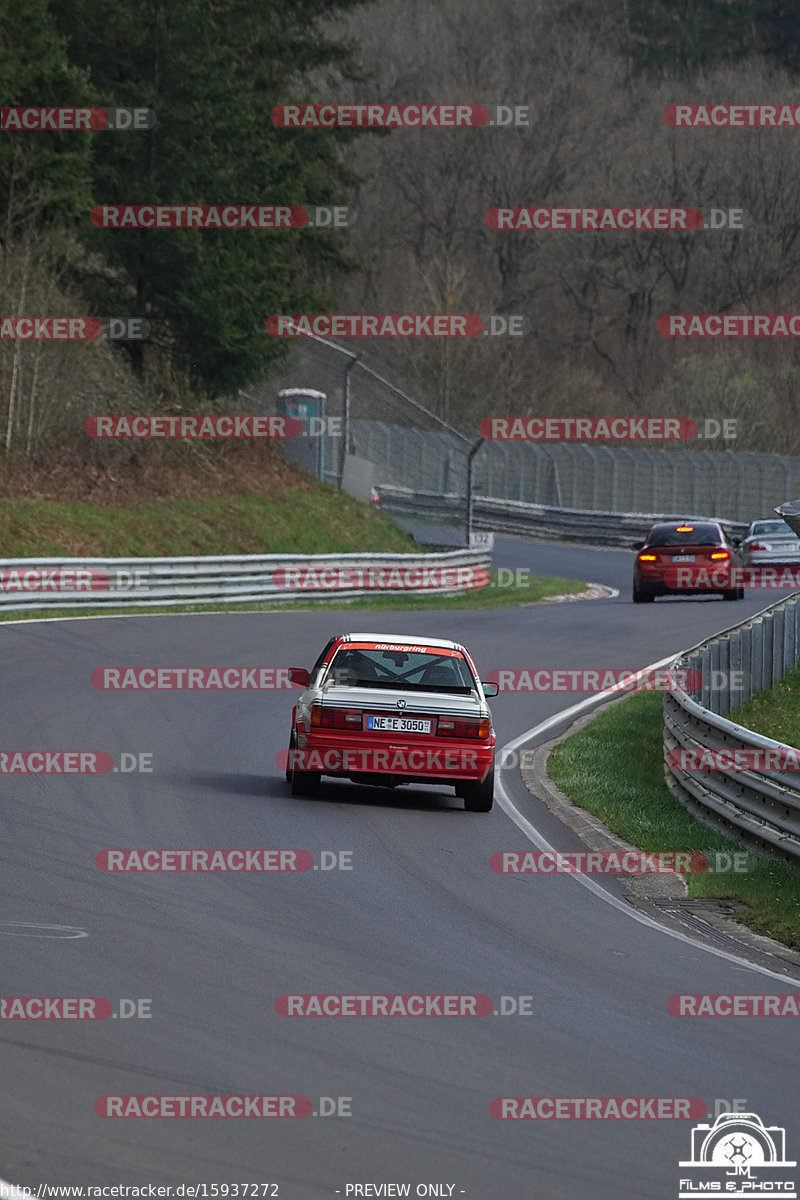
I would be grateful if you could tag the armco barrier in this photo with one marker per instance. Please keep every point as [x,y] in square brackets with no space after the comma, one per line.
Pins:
[34,583]
[758,806]
[517,517]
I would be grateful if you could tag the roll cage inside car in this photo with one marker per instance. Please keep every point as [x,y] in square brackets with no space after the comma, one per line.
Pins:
[356,667]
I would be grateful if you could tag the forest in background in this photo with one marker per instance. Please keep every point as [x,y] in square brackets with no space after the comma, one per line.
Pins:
[595,75]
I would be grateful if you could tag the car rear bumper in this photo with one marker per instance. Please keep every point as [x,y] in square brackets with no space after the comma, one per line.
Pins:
[426,761]
[765,559]
[708,579]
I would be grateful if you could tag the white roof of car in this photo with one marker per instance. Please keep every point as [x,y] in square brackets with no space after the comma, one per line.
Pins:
[401,638]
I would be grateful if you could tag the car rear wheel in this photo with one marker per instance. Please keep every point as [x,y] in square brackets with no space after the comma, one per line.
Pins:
[479,796]
[642,595]
[292,745]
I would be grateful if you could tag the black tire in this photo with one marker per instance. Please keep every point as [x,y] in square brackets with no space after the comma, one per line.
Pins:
[292,744]
[305,783]
[733,594]
[642,595]
[479,797]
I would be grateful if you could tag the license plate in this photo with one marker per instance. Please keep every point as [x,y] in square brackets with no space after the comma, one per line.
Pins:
[399,724]
[683,558]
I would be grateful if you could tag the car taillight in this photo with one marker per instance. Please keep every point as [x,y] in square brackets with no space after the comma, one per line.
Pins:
[720,554]
[457,727]
[648,558]
[335,718]
[757,546]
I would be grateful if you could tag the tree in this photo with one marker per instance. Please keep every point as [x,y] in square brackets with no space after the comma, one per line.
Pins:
[212,73]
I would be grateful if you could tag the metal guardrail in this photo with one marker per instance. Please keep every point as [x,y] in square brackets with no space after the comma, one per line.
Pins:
[517,517]
[758,806]
[35,583]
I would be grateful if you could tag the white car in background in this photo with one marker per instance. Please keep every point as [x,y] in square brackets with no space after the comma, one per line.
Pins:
[771,541]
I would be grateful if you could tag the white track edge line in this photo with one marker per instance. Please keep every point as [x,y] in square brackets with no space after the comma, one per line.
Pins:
[538,839]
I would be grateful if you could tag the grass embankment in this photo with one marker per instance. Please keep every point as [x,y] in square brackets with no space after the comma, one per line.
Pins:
[319,520]
[316,519]
[612,768]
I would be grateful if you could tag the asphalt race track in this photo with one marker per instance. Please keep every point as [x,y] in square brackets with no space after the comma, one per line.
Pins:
[419,912]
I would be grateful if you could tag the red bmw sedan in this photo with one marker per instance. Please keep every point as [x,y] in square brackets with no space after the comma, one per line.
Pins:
[387,710]
[682,558]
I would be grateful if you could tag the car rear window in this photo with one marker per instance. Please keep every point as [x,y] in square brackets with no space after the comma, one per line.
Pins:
[429,672]
[773,528]
[688,535]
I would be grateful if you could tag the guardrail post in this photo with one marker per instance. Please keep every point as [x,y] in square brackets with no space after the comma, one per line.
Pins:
[346,416]
[757,657]
[747,664]
[724,703]
[704,666]
[714,692]
[767,679]
[778,627]
[788,636]
[735,665]
[470,464]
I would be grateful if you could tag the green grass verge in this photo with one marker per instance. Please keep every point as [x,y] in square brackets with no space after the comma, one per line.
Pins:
[612,768]
[536,588]
[319,520]
[774,713]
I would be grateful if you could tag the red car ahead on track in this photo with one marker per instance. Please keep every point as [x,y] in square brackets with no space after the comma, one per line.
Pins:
[382,709]
[682,558]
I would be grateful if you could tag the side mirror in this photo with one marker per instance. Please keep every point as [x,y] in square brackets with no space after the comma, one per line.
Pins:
[490,689]
[636,545]
[299,676]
